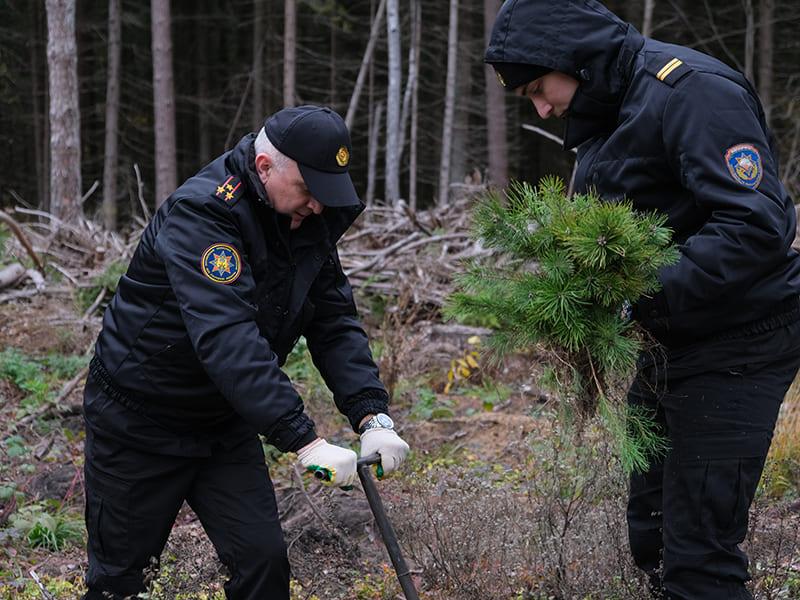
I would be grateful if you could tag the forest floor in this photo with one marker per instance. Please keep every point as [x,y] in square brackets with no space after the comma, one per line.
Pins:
[495,502]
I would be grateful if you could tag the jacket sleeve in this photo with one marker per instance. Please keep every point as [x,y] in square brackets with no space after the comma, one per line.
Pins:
[220,319]
[339,346]
[708,122]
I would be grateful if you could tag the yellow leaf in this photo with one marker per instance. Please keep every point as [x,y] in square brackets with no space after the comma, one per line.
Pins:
[464,372]
[448,386]
[474,340]
[471,361]
[462,363]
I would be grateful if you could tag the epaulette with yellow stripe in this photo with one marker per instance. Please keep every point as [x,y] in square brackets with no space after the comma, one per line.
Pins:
[667,69]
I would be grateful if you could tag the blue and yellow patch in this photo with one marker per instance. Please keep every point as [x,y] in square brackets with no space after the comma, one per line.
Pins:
[744,164]
[221,263]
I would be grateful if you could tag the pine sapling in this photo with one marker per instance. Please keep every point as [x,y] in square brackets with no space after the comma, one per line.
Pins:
[562,271]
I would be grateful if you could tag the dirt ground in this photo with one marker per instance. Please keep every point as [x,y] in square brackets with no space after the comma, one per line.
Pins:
[494,501]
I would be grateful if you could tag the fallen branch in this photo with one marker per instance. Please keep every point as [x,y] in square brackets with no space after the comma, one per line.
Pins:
[23,239]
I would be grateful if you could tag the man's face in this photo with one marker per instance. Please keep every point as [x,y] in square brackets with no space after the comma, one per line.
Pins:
[286,189]
[550,94]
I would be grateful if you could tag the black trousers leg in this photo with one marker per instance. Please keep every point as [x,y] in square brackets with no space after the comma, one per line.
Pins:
[720,425]
[132,499]
[234,499]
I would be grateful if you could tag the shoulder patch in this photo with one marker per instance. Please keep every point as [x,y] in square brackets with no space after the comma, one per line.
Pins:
[667,69]
[744,164]
[230,190]
[221,263]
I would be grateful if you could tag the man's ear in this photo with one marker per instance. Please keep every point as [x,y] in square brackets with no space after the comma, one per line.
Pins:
[263,166]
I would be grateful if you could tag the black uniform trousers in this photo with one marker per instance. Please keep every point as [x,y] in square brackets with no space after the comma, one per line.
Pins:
[133,497]
[689,512]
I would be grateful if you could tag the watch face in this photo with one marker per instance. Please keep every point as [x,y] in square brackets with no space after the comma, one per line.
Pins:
[384,420]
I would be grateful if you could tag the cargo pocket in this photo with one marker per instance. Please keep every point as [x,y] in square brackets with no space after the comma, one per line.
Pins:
[108,518]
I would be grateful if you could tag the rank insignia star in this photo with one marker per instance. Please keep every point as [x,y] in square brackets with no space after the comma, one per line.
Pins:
[221,263]
[229,190]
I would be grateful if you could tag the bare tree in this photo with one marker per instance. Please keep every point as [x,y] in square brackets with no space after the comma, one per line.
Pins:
[366,61]
[766,43]
[412,143]
[65,130]
[258,64]
[749,39]
[497,139]
[112,115]
[372,157]
[392,171]
[163,100]
[449,104]
[647,20]
[289,52]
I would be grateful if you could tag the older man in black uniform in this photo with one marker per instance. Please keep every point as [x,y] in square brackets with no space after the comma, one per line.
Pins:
[679,132]
[235,266]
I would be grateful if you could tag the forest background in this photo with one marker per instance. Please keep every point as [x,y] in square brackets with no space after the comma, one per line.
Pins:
[105,106]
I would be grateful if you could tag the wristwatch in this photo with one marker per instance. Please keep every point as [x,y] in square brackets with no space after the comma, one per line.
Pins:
[379,421]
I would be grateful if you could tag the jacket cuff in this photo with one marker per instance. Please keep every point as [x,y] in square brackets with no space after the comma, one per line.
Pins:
[370,401]
[292,433]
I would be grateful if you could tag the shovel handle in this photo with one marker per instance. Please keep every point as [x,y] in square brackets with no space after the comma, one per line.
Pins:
[385,526]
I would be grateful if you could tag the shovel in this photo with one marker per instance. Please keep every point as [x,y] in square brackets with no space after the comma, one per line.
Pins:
[384,525]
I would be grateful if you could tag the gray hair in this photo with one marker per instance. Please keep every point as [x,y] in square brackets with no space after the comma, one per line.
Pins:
[262,145]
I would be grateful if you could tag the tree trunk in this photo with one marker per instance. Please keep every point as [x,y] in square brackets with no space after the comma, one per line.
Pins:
[496,136]
[65,126]
[332,64]
[392,170]
[460,149]
[112,115]
[207,43]
[749,39]
[412,142]
[647,20]
[163,101]
[39,143]
[766,43]
[289,52]
[372,158]
[449,105]
[411,78]
[366,62]
[258,65]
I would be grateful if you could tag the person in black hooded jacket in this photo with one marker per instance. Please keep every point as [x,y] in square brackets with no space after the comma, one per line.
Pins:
[676,131]
[235,266]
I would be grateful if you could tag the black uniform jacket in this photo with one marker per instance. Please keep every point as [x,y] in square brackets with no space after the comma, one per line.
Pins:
[217,294]
[676,131]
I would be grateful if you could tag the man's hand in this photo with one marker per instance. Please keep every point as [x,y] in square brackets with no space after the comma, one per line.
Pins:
[339,462]
[388,444]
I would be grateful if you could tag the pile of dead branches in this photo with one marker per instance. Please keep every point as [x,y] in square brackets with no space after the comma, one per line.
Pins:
[75,254]
[393,249]
[390,250]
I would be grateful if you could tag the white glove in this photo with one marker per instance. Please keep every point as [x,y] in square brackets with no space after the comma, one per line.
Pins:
[340,463]
[388,444]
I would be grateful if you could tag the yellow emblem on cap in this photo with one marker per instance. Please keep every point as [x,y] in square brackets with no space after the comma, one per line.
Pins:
[342,157]
[500,78]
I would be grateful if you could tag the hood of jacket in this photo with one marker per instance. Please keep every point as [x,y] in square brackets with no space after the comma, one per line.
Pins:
[580,38]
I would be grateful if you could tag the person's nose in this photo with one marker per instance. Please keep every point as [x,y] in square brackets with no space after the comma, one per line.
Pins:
[542,108]
[315,206]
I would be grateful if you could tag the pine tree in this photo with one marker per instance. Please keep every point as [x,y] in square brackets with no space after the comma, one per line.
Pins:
[562,271]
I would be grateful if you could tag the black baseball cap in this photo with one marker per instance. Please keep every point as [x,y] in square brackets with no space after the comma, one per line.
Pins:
[513,75]
[317,139]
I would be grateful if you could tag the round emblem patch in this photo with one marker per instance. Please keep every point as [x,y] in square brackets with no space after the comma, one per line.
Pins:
[221,263]
[744,163]
[342,157]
